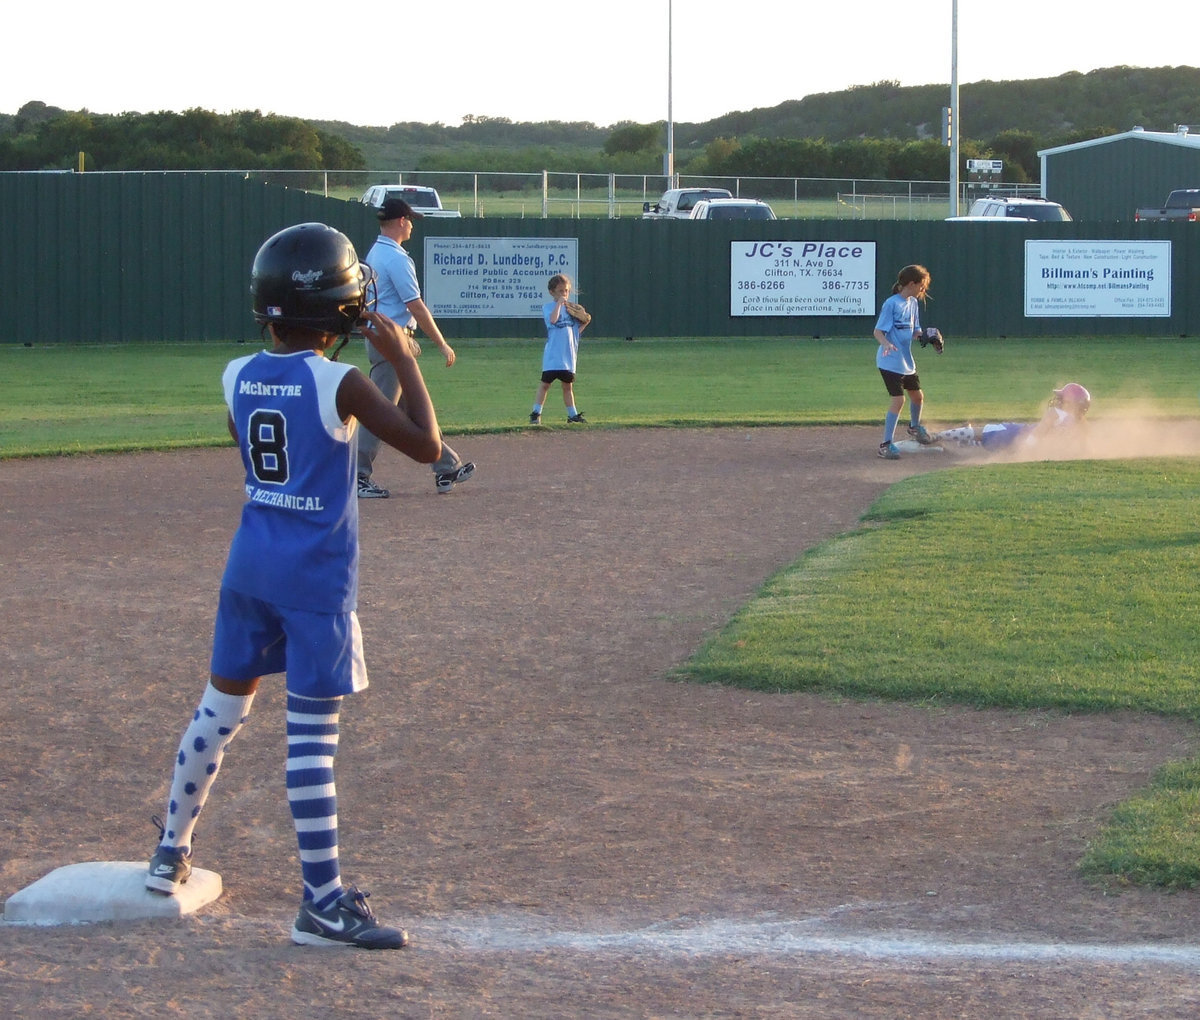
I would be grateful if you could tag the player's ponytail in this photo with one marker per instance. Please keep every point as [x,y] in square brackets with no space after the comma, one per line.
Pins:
[911,274]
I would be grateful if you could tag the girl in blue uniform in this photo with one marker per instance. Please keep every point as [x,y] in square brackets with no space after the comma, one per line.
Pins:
[289,592]
[899,322]
[1065,414]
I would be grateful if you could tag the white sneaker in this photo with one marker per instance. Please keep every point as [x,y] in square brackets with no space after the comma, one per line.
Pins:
[447,481]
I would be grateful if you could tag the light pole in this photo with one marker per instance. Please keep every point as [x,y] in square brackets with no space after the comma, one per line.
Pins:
[669,160]
[954,126]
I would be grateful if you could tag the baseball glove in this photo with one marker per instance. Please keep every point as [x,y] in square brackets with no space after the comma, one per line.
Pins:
[932,337]
[578,313]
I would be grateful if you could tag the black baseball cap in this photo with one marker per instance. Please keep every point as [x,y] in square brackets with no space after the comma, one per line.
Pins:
[394,208]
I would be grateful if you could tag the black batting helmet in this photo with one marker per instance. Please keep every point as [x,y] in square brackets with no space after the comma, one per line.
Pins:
[309,275]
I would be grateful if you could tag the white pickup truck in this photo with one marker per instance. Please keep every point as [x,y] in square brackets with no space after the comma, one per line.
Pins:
[425,201]
[677,204]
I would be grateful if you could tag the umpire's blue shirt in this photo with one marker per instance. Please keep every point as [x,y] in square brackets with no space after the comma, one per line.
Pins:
[396,280]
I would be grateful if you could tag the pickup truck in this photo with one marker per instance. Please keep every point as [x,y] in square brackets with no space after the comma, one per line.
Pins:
[677,204]
[425,201]
[1183,204]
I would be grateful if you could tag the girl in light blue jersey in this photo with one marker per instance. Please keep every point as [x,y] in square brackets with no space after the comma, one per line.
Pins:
[899,322]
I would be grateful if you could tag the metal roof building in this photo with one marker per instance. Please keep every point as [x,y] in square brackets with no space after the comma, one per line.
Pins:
[1108,178]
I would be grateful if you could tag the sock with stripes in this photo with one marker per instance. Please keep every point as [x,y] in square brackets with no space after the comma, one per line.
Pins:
[312,739]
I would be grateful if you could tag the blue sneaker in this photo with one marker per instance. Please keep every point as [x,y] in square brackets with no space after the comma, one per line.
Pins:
[920,434]
[888,451]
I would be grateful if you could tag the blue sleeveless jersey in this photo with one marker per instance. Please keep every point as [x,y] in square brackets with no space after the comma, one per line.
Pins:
[297,543]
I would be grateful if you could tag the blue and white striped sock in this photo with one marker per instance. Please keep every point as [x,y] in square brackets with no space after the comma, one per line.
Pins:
[214,725]
[312,737]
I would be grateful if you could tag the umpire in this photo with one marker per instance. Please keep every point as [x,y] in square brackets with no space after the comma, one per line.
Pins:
[400,300]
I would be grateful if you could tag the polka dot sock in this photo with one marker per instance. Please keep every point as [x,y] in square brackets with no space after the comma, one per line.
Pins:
[215,724]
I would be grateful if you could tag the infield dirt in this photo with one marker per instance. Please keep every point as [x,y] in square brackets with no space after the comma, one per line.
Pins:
[564,830]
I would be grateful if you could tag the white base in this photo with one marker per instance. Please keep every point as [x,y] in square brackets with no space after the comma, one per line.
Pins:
[912,446]
[106,891]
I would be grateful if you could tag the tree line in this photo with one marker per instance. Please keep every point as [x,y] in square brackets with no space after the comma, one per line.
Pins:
[878,131]
[46,138]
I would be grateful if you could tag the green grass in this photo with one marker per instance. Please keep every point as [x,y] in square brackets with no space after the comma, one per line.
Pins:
[1062,586]
[1153,838]
[1051,586]
[82,398]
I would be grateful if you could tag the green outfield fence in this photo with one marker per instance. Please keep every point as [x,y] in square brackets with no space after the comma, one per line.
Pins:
[166,256]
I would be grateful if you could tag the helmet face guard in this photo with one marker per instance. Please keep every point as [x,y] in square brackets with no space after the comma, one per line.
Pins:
[310,276]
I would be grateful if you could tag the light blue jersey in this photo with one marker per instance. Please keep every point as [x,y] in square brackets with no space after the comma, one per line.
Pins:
[562,340]
[297,543]
[899,319]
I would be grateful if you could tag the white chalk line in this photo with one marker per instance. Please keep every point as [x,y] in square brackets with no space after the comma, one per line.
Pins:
[792,938]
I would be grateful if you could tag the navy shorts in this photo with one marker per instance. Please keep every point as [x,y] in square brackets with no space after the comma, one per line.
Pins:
[558,375]
[321,653]
[896,383]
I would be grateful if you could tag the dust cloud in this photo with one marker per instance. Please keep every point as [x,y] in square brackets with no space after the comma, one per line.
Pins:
[1136,432]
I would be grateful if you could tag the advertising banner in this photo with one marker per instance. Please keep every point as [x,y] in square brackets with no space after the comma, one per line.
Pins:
[494,277]
[1065,279]
[802,278]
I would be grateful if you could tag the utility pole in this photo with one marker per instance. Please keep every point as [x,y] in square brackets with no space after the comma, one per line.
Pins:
[669,160]
[952,122]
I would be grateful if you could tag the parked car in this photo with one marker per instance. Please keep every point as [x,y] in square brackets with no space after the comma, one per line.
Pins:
[425,201]
[677,203]
[732,209]
[1182,204]
[1016,210]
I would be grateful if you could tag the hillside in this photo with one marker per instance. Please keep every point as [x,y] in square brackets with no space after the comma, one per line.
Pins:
[1052,110]
[1110,99]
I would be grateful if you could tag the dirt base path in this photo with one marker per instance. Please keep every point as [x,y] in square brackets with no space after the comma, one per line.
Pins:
[564,830]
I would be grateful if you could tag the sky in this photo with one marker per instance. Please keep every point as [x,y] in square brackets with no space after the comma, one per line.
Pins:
[377,65]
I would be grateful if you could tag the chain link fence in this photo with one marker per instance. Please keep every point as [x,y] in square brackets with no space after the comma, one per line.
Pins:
[617,196]
[551,194]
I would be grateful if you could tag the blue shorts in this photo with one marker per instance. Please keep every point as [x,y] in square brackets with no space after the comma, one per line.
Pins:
[1002,434]
[321,653]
